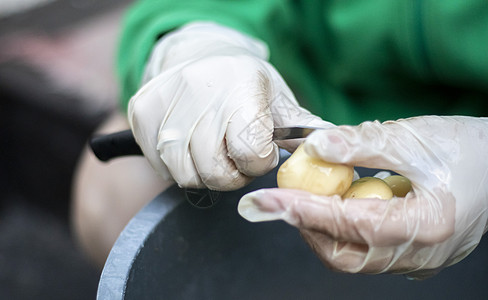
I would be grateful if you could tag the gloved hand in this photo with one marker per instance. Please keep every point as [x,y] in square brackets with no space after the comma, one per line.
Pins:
[206,113]
[436,225]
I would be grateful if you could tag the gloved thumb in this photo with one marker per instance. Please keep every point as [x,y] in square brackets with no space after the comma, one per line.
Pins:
[371,144]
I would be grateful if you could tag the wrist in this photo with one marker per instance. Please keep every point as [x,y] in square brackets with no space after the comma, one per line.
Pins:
[198,40]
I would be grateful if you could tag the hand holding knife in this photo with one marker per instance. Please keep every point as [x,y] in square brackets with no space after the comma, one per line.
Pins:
[123,143]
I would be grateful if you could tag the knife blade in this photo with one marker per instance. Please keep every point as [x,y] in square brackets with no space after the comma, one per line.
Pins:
[295,132]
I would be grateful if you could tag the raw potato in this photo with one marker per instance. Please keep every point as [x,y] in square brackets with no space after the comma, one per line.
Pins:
[313,175]
[369,187]
[400,185]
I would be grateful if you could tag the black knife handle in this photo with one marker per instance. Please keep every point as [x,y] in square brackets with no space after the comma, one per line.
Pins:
[122,143]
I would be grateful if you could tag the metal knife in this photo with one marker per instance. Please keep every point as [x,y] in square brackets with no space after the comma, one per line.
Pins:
[122,143]
[295,132]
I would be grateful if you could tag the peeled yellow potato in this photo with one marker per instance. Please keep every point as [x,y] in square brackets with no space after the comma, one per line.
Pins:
[304,172]
[369,187]
[399,185]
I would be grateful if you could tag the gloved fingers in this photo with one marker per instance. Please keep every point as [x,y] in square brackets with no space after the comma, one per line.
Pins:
[340,256]
[351,257]
[214,166]
[172,135]
[289,145]
[177,157]
[370,144]
[145,129]
[251,146]
[207,134]
[249,134]
[191,149]
[220,108]
[286,112]
[329,215]
[231,141]
[374,222]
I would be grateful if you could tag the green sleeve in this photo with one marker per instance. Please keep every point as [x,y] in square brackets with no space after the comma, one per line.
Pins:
[147,20]
[383,59]
[347,61]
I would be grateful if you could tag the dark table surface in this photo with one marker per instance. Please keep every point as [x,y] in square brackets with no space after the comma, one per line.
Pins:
[171,250]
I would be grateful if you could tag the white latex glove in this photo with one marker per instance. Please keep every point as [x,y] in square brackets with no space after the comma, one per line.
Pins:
[206,115]
[436,225]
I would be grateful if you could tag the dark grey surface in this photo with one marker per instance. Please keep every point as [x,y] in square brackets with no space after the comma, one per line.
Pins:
[40,147]
[42,134]
[171,250]
[38,259]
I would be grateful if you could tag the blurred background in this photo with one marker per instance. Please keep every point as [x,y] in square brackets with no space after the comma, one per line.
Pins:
[57,84]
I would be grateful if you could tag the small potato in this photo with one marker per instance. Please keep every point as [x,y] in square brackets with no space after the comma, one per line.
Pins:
[399,185]
[369,187]
[304,172]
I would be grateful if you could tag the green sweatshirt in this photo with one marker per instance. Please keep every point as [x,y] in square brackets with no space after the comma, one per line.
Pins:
[348,60]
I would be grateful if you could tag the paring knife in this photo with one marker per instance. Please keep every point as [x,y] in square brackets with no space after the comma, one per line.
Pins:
[123,143]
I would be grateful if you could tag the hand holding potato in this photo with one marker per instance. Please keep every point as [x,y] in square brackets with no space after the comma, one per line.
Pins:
[436,225]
